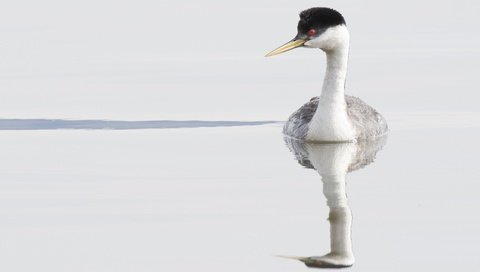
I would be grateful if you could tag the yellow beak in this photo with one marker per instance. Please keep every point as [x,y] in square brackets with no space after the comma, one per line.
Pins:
[286,47]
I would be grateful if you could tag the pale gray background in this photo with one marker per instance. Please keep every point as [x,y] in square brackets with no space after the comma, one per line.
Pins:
[229,198]
[204,59]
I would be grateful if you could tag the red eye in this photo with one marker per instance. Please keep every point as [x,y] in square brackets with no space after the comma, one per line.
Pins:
[312,32]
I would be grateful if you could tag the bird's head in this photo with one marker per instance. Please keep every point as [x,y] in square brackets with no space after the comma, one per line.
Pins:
[322,28]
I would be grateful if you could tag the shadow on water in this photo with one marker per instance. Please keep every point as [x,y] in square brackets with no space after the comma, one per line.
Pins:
[333,161]
[47,124]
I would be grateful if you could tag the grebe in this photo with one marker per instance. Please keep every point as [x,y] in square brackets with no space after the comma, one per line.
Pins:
[332,116]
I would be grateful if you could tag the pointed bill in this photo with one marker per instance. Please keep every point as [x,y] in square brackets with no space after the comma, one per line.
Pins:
[286,47]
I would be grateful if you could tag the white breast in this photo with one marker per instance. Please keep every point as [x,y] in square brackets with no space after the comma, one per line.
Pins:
[331,123]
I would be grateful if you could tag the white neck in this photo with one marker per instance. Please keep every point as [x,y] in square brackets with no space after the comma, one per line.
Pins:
[334,82]
[331,122]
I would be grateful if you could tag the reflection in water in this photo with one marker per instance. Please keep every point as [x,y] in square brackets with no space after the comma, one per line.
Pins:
[333,161]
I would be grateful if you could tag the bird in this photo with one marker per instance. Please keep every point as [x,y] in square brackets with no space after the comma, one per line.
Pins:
[333,116]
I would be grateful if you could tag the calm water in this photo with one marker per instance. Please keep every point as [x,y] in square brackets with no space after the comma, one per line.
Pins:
[226,193]
[231,198]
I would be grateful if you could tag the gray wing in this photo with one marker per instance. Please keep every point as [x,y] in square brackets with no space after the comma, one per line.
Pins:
[368,123]
[297,124]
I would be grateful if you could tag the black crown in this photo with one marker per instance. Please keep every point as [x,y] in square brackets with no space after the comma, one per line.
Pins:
[319,18]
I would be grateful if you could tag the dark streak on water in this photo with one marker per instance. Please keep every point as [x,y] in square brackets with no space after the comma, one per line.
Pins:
[48,124]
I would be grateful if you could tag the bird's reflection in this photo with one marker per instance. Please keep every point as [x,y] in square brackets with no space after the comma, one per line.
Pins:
[333,161]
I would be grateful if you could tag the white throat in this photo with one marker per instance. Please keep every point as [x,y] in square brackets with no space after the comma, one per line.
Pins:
[330,121]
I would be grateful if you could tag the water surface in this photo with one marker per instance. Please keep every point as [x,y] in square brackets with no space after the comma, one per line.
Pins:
[230,198]
[87,184]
